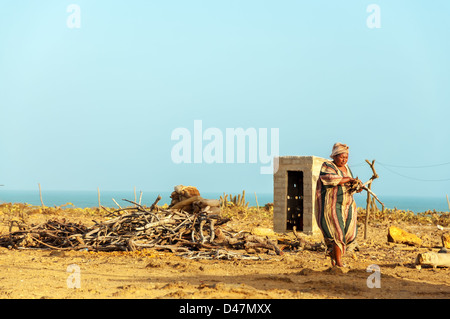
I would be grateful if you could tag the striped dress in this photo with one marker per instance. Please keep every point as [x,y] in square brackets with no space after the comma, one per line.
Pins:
[335,207]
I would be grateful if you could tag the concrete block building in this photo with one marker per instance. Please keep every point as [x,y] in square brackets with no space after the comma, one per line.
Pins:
[294,187]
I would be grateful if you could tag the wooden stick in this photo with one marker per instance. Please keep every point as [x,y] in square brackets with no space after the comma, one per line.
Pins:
[154,203]
[373,194]
[116,203]
[98,196]
[374,172]
[40,195]
[367,212]
[158,223]
[448,202]
[369,192]
[256,198]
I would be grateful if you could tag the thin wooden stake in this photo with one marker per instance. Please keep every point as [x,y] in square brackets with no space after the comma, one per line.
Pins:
[40,195]
[366,225]
[98,196]
[256,198]
[368,206]
[448,202]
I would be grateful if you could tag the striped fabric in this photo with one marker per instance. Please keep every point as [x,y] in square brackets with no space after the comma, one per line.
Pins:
[335,207]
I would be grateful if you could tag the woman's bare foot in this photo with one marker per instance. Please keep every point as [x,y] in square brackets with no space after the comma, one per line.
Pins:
[337,254]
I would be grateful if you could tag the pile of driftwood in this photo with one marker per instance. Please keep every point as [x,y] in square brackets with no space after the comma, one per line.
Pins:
[132,228]
[191,224]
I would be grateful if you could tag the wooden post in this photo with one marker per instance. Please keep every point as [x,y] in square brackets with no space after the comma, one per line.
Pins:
[98,196]
[40,195]
[374,176]
[367,212]
[256,198]
[448,202]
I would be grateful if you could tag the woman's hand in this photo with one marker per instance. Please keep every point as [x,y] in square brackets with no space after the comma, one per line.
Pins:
[356,184]
[359,189]
[352,183]
[345,180]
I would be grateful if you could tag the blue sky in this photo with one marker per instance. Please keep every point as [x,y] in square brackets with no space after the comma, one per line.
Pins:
[95,106]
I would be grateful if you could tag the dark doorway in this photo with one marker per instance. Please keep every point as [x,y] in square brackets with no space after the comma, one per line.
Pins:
[294,200]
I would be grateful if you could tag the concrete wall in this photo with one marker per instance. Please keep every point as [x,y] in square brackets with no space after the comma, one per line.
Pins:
[310,166]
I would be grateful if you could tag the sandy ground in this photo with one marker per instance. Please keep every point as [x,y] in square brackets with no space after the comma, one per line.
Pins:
[157,274]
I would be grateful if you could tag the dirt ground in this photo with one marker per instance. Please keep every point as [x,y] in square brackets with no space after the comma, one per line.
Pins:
[31,273]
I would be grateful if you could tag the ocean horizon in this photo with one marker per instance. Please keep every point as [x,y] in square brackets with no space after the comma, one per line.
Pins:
[83,199]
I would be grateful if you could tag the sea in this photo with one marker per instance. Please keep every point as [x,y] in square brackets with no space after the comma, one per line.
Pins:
[83,199]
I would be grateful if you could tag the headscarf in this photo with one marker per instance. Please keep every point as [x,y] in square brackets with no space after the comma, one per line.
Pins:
[339,148]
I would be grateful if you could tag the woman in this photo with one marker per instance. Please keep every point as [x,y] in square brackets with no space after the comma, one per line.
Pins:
[336,209]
